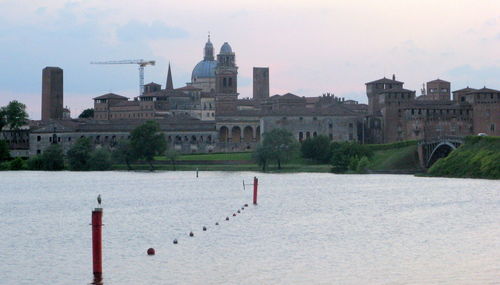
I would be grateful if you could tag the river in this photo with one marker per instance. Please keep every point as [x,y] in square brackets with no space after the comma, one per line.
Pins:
[306,229]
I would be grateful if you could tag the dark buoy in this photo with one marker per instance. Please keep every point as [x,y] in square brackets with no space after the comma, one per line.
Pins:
[239,211]
[227,218]
[204,228]
[246,205]
[151,251]
[217,223]
[234,215]
[242,208]
[191,234]
[175,241]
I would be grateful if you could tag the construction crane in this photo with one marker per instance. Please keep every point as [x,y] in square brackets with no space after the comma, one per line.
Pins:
[142,63]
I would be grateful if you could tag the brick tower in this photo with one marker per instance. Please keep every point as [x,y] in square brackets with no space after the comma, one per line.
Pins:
[52,93]
[226,81]
[260,83]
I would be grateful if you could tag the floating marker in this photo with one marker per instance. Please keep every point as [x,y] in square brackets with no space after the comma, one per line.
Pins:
[191,234]
[151,251]
[239,211]
[227,218]
[234,215]
[204,228]
[217,223]
[246,205]
[175,241]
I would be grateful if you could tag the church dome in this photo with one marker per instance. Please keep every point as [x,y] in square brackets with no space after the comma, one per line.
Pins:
[204,69]
[226,49]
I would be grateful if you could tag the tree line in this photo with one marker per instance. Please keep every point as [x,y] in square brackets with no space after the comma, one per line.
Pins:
[280,147]
[146,142]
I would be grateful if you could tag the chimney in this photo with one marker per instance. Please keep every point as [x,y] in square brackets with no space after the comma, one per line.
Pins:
[394,77]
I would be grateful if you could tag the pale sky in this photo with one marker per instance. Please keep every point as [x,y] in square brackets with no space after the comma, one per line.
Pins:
[311,47]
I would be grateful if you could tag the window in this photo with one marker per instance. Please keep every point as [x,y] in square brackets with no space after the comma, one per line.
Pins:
[492,127]
[230,82]
[38,138]
[224,82]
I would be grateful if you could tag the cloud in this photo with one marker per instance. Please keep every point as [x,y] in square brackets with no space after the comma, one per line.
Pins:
[136,31]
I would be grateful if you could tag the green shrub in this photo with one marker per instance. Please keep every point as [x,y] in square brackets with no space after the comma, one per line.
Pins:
[100,159]
[317,148]
[16,164]
[53,158]
[79,155]
[362,166]
[35,163]
[4,165]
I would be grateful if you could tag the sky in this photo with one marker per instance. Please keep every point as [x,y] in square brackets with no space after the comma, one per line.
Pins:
[311,47]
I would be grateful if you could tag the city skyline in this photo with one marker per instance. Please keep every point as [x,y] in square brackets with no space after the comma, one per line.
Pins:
[311,48]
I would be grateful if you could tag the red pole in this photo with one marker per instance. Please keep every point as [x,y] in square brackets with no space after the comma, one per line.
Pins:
[97,244]
[255,185]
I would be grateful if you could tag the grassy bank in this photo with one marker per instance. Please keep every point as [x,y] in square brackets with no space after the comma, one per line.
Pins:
[479,157]
[399,158]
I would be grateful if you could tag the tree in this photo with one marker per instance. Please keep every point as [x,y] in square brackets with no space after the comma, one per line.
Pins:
[147,141]
[53,158]
[87,113]
[262,155]
[4,151]
[13,116]
[172,155]
[279,145]
[100,159]
[79,155]
[3,117]
[317,148]
[343,153]
[123,153]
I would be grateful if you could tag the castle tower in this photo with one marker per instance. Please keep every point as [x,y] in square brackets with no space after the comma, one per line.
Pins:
[52,93]
[226,85]
[260,83]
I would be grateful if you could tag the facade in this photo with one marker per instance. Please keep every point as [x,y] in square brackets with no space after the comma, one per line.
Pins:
[52,93]
[402,116]
[206,115]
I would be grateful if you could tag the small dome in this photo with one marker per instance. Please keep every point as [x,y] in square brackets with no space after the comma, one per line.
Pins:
[204,69]
[226,49]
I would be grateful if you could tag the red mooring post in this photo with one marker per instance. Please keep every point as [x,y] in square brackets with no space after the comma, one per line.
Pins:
[97,244]
[255,185]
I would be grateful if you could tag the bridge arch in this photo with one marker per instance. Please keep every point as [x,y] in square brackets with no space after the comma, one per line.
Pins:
[441,150]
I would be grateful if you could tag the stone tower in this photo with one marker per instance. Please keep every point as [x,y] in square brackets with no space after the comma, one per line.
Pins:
[226,81]
[260,83]
[52,93]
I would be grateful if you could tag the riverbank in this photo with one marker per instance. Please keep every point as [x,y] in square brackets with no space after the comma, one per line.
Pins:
[479,157]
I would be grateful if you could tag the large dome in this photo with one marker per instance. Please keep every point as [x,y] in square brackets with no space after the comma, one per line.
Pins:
[204,69]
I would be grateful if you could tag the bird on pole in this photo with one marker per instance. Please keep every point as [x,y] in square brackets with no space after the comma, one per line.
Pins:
[99,199]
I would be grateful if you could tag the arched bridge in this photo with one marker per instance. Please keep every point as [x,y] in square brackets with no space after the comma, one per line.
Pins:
[430,150]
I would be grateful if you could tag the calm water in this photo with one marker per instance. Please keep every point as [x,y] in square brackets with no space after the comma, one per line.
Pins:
[307,229]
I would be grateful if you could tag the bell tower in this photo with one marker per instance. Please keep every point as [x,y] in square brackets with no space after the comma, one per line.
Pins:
[226,80]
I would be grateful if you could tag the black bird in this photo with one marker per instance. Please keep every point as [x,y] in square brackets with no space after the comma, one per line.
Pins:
[99,199]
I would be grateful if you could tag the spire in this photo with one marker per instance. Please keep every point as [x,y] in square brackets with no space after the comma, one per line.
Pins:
[209,50]
[170,84]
